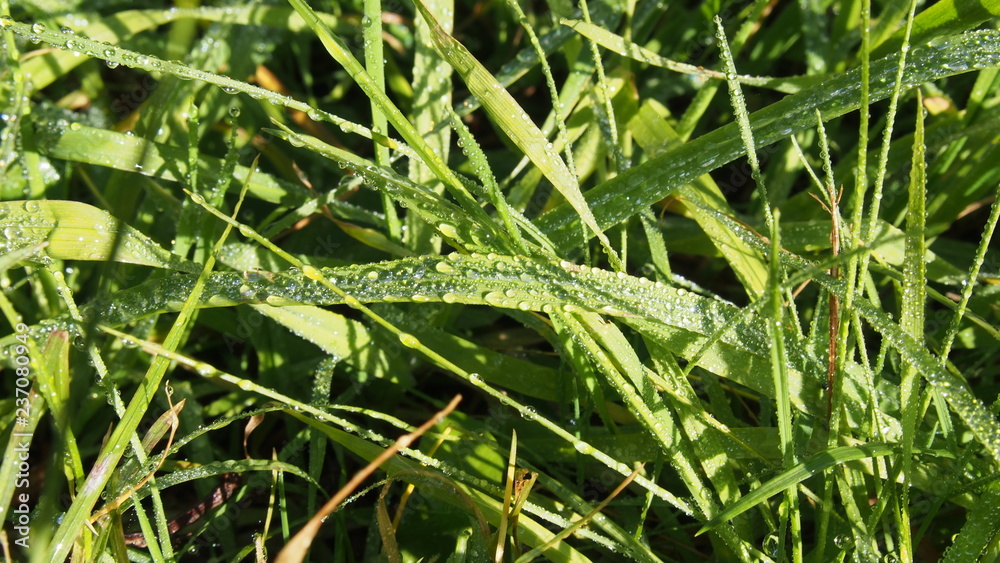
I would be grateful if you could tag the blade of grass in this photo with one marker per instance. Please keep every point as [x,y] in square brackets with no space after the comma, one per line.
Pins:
[795,475]
[779,368]
[432,97]
[625,48]
[371,25]
[336,48]
[516,124]
[670,173]
[77,231]
[914,299]
[72,526]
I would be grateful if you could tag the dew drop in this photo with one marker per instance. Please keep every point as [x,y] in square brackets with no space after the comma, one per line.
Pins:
[448,230]
[770,545]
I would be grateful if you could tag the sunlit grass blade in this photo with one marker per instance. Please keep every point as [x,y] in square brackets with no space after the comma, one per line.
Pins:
[431,104]
[625,48]
[912,316]
[80,143]
[72,230]
[515,123]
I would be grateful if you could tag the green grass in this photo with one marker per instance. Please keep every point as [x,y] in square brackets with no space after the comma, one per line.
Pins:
[714,282]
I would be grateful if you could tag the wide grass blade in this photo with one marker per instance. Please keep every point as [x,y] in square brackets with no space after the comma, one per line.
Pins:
[76,231]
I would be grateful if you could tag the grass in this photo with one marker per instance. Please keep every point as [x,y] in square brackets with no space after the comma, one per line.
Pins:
[500,281]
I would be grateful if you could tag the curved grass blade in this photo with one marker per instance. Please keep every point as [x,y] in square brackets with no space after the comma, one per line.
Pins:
[120,56]
[679,319]
[454,223]
[516,124]
[952,387]
[670,173]
[72,230]
[339,51]
[626,48]
[113,29]
[947,17]
[79,143]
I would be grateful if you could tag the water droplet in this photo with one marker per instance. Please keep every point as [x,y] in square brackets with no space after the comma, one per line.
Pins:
[38,27]
[408,340]
[770,545]
[448,230]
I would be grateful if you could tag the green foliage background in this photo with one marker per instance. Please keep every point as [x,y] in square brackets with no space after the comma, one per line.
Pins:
[714,280]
